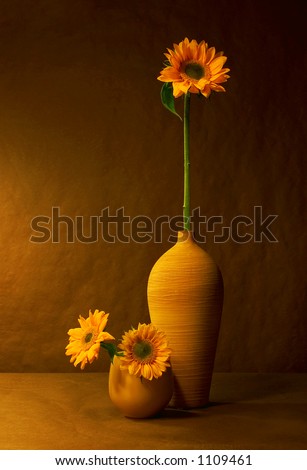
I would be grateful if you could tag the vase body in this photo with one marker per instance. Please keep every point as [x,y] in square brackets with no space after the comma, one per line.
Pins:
[137,397]
[185,300]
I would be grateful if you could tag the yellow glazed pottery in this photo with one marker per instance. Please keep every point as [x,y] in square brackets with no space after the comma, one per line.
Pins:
[185,299]
[137,397]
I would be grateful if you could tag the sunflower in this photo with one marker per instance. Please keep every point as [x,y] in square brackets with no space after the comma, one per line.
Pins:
[84,342]
[194,68]
[146,352]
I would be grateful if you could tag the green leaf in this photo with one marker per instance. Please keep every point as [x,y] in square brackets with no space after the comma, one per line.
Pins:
[167,98]
[112,350]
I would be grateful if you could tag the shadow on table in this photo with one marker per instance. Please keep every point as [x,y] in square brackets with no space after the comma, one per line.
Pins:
[235,388]
[175,413]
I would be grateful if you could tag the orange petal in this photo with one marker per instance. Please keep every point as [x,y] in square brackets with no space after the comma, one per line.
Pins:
[206,91]
[147,372]
[210,54]
[177,91]
[75,333]
[217,64]
[104,336]
[82,322]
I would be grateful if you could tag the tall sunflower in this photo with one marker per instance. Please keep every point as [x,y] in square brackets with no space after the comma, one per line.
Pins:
[194,68]
[146,352]
[190,68]
[84,342]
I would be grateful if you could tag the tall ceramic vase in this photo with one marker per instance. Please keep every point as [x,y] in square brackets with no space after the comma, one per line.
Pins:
[185,300]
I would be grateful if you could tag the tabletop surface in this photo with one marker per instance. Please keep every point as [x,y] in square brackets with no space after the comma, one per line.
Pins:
[74,411]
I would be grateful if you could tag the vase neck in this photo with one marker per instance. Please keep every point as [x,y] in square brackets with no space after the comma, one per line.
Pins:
[185,235]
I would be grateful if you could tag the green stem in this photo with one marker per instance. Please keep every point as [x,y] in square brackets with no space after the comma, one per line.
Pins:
[111,349]
[186,153]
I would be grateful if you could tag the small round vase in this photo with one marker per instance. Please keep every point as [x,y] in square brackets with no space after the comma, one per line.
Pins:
[137,397]
[185,299]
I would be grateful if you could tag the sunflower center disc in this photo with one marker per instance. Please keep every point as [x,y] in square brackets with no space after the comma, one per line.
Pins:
[194,70]
[88,337]
[142,350]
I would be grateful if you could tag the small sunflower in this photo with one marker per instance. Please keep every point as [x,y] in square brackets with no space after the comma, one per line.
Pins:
[146,352]
[194,68]
[84,342]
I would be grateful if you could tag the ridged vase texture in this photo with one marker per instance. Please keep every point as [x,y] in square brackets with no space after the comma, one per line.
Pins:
[185,300]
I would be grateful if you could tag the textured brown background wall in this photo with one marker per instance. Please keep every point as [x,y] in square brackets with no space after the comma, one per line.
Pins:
[82,128]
